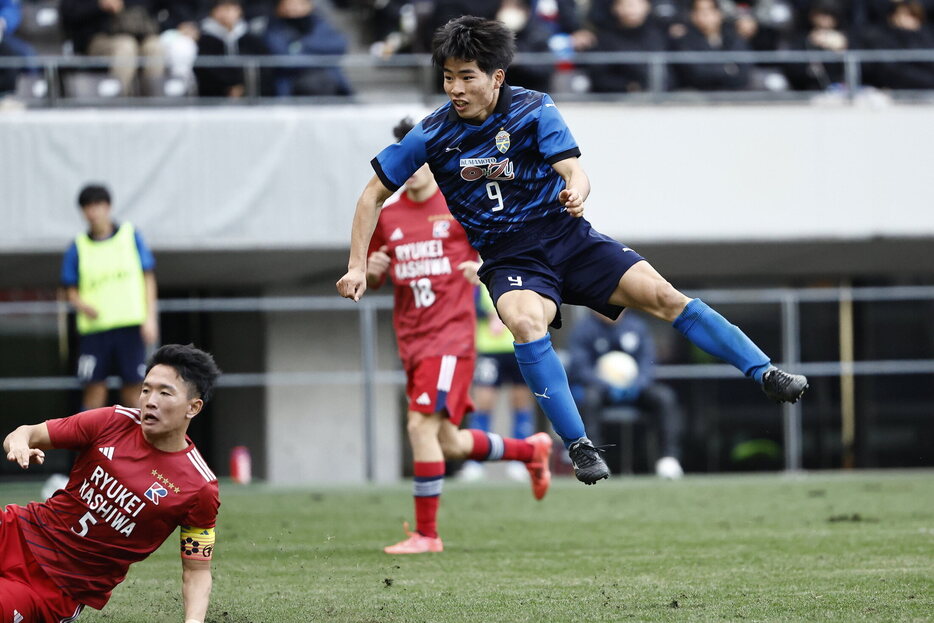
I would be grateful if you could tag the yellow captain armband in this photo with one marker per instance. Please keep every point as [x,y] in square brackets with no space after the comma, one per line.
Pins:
[197,543]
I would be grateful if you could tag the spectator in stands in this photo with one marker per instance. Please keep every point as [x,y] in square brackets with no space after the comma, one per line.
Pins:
[705,32]
[10,16]
[631,29]
[565,25]
[178,23]
[596,335]
[531,36]
[824,34]
[124,30]
[559,18]
[225,33]
[298,29]
[759,34]
[906,29]
[877,11]
[398,26]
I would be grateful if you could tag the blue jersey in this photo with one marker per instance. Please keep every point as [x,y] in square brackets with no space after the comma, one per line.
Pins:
[496,176]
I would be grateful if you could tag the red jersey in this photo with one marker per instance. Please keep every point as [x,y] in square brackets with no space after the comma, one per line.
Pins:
[123,499]
[434,310]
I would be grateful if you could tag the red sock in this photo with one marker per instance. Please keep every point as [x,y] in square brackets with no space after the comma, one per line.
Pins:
[517,450]
[429,478]
[481,445]
[493,447]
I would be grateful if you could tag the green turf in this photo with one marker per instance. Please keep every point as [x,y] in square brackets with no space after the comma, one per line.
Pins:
[820,547]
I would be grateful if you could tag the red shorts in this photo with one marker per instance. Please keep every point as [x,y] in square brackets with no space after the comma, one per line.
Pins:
[26,592]
[441,384]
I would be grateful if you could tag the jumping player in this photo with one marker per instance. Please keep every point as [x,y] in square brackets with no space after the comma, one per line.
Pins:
[136,479]
[508,166]
[422,248]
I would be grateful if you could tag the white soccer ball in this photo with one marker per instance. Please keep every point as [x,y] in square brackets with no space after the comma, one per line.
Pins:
[668,468]
[617,369]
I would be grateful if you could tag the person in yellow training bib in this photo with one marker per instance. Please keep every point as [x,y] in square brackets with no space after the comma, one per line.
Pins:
[108,275]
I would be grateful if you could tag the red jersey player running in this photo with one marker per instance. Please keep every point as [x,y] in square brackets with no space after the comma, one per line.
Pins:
[136,479]
[421,247]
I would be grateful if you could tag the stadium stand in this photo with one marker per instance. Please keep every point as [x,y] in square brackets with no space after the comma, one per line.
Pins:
[882,44]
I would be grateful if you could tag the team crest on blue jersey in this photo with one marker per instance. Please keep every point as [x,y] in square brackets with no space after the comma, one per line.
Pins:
[156,492]
[502,141]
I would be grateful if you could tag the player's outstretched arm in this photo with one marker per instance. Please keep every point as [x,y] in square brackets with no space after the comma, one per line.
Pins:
[25,445]
[576,186]
[196,589]
[353,284]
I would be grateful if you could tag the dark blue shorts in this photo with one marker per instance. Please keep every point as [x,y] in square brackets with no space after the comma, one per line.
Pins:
[496,369]
[117,351]
[569,262]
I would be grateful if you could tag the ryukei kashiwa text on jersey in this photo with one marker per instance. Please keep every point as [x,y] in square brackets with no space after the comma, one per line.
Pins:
[434,313]
[497,176]
[123,499]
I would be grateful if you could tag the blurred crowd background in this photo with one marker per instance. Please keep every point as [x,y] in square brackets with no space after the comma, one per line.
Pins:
[299,48]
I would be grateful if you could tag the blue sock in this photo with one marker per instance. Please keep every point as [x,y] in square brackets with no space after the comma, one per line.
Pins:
[522,425]
[714,334]
[480,420]
[545,376]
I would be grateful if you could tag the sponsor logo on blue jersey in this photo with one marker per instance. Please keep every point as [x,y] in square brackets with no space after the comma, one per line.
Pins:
[489,168]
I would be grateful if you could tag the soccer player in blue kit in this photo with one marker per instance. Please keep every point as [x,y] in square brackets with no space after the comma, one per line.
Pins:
[508,167]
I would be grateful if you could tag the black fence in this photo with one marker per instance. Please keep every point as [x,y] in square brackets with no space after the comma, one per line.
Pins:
[50,80]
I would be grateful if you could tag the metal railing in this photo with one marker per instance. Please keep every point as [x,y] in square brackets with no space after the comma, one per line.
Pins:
[424,75]
[369,376]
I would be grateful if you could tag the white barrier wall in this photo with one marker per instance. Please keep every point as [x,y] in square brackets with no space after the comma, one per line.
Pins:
[235,178]
[316,433]
[739,173]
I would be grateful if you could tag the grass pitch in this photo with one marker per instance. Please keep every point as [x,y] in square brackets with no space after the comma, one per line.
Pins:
[820,547]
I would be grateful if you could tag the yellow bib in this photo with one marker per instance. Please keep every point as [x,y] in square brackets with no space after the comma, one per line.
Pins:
[110,279]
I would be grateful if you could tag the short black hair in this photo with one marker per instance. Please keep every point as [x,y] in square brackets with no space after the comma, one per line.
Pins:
[487,42]
[193,365]
[93,193]
[402,128]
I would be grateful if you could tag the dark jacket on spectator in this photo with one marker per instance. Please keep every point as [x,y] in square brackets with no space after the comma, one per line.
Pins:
[625,78]
[713,76]
[814,76]
[311,34]
[82,19]
[216,40]
[903,75]
[533,38]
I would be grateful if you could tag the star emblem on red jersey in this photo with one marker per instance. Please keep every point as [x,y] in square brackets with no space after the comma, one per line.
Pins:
[164,480]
